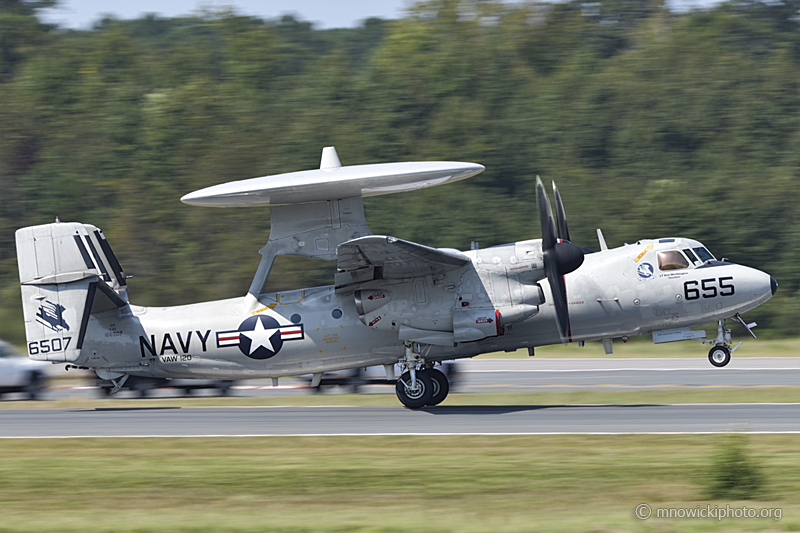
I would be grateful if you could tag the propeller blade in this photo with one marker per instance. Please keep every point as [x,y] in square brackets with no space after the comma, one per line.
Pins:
[564,258]
[545,217]
[559,292]
[563,230]
[560,258]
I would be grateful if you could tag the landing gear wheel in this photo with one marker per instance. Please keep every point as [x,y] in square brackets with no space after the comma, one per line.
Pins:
[719,356]
[441,387]
[417,397]
[35,387]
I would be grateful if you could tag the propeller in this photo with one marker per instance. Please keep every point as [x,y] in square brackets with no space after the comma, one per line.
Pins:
[560,256]
[563,230]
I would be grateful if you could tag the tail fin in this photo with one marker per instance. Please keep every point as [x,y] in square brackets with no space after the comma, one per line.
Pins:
[67,272]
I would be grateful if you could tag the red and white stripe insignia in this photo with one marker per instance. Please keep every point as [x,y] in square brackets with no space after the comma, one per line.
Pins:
[292,332]
[288,333]
[227,338]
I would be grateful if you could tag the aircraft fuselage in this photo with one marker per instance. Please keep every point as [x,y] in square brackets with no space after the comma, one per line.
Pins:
[619,292]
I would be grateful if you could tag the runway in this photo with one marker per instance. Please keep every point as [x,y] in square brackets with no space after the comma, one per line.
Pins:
[537,375]
[518,375]
[441,420]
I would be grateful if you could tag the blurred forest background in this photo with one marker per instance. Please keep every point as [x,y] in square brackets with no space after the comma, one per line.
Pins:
[653,124]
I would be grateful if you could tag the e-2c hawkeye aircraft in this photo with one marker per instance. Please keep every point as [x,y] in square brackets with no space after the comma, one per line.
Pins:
[393,301]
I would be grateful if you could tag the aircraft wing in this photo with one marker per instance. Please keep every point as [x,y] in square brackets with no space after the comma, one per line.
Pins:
[388,257]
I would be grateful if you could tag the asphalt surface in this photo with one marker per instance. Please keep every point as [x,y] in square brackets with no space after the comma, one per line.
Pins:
[526,375]
[441,420]
[488,375]
[628,374]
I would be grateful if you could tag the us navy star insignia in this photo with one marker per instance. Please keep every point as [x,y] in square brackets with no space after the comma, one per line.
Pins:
[260,336]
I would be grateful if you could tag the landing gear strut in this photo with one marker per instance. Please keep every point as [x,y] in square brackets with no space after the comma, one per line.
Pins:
[720,353]
[420,384]
[414,392]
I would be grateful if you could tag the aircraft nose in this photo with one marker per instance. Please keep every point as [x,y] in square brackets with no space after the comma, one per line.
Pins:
[773,285]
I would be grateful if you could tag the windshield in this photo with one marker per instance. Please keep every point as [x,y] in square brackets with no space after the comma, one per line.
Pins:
[703,254]
[693,258]
[672,260]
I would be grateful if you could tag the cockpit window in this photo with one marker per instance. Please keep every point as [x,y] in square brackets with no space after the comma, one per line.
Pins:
[673,260]
[703,254]
[693,258]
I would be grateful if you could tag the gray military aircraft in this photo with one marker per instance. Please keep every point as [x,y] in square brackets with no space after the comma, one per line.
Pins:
[393,301]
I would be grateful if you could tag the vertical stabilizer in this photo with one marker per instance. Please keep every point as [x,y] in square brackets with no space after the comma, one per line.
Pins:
[67,271]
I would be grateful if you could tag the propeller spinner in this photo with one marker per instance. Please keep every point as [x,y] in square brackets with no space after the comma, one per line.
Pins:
[560,256]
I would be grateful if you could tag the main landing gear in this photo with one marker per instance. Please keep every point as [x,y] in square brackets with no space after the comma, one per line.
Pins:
[720,353]
[420,384]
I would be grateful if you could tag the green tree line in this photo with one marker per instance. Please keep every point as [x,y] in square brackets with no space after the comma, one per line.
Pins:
[653,124]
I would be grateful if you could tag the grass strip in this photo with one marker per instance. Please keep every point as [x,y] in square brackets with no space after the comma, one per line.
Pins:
[381,484]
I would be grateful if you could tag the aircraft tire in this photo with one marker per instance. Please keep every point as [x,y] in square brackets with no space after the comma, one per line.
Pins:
[719,356]
[441,386]
[36,385]
[418,398]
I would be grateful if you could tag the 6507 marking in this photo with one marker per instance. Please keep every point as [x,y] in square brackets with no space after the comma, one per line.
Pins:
[48,345]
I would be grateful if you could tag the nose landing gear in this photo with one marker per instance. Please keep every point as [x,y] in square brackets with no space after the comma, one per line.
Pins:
[720,353]
[719,356]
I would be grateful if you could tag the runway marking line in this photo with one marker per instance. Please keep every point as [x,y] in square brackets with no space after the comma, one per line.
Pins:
[454,434]
[628,386]
[499,406]
[417,434]
[622,369]
[398,407]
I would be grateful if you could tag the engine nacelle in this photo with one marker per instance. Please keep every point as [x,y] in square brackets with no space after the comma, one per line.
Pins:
[371,306]
[518,313]
[525,293]
[368,300]
[475,324]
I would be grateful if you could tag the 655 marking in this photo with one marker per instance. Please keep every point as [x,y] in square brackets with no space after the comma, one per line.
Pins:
[692,292]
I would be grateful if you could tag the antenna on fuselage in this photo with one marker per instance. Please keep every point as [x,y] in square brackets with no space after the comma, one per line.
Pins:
[330,159]
[603,245]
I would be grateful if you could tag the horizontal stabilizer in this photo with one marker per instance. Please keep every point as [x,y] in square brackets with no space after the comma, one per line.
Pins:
[66,251]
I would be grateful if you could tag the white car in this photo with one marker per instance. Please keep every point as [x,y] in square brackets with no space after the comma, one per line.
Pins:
[20,374]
